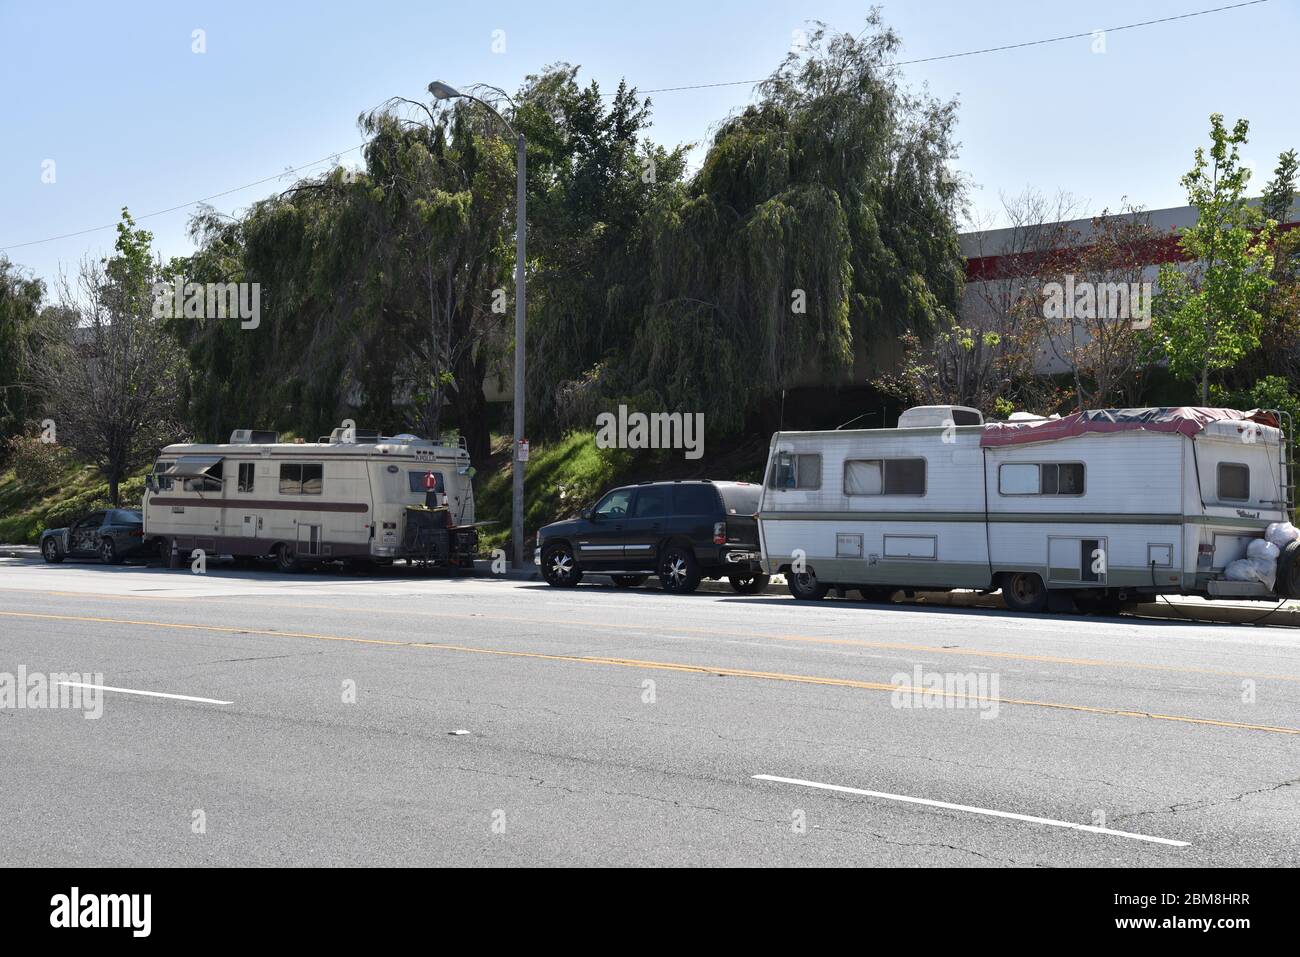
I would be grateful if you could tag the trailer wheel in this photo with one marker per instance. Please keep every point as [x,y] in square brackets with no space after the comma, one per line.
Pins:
[805,586]
[1024,591]
[1288,571]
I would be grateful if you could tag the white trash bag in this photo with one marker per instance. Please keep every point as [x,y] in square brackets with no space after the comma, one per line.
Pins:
[1281,534]
[1252,570]
[1263,549]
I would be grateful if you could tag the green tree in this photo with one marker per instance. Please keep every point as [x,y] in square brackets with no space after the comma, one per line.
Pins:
[107,370]
[1208,316]
[20,302]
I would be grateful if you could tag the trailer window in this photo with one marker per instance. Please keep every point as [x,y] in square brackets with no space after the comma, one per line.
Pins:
[884,477]
[1046,478]
[419,482]
[301,479]
[1234,482]
[802,471]
[246,477]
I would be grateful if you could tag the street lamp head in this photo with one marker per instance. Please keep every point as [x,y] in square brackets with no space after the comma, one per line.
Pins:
[441,91]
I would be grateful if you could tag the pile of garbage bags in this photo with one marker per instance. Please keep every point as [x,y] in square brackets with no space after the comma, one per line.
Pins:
[1260,563]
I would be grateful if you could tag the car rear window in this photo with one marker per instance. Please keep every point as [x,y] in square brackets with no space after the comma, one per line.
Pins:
[127,518]
[739,499]
[695,500]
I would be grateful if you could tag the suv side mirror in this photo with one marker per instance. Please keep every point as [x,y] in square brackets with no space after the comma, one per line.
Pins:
[588,514]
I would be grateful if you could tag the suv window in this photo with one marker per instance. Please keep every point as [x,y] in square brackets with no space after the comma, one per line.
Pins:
[93,520]
[615,504]
[695,500]
[739,499]
[651,502]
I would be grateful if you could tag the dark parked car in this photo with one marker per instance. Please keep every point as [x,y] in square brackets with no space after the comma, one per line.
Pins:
[112,536]
[681,531]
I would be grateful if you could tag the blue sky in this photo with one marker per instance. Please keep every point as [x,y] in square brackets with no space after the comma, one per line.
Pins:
[114,95]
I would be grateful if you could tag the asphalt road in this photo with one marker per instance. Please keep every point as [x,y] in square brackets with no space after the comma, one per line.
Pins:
[628,728]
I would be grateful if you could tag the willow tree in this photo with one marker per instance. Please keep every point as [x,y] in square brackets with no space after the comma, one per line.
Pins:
[820,222]
[378,287]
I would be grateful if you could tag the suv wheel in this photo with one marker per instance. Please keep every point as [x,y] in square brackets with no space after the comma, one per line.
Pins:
[749,584]
[628,581]
[108,552]
[1024,591]
[50,552]
[559,567]
[679,571]
[805,586]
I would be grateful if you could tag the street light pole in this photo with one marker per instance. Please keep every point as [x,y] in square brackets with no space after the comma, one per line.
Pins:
[521,229]
[442,91]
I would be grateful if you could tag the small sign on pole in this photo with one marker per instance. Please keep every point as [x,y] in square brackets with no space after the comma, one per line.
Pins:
[523,450]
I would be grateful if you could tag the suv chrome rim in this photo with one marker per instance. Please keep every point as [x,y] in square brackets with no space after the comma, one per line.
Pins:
[561,565]
[676,569]
[50,548]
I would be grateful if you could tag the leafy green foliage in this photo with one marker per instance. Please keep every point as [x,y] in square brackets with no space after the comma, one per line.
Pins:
[1208,318]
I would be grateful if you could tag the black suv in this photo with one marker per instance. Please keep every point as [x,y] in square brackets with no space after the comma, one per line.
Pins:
[681,531]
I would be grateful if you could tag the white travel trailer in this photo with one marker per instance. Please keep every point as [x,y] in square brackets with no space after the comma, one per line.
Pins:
[351,496]
[1101,507]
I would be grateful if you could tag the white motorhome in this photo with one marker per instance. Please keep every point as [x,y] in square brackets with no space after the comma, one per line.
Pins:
[351,496]
[1101,507]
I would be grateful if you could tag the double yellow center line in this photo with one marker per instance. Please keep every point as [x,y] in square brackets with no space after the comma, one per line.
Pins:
[665,666]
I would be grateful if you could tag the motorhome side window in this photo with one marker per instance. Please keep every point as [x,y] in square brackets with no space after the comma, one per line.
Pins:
[1045,478]
[301,479]
[1234,482]
[246,476]
[884,476]
[797,471]
[210,480]
[421,482]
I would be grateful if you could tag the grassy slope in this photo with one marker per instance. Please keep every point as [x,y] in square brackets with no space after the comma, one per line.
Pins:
[575,467]
[25,511]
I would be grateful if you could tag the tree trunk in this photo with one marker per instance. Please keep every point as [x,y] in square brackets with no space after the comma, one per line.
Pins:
[113,490]
[472,411]
[1205,384]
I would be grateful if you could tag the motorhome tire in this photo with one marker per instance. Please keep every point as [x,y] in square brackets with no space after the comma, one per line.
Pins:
[50,552]
[629,581]
[1288,571]
[679,572]
[286,560]
[749,584]
[805,586]
[559,567]
[1024,591]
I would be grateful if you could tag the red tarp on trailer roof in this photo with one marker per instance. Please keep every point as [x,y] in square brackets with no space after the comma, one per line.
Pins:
[1188,420]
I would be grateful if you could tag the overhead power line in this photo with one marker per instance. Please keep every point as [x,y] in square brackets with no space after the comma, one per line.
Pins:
[677,89]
